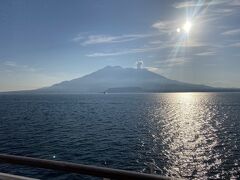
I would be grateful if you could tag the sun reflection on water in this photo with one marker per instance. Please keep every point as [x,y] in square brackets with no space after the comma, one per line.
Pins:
[187,136]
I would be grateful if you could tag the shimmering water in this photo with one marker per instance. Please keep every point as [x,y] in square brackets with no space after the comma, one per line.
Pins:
[190,135]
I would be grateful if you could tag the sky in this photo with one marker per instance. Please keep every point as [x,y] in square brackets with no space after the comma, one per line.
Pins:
[46,42]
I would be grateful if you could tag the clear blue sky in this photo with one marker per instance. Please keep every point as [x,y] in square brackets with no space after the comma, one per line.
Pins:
[45,42]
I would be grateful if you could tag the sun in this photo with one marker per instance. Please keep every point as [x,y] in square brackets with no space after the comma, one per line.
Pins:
[187,27]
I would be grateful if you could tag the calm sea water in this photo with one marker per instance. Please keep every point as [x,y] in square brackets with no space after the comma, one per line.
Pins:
[190,135]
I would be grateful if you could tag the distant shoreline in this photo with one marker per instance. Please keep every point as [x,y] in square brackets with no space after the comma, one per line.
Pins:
[76,93]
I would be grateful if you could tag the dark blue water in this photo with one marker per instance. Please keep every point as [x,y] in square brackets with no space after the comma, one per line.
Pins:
[190,135]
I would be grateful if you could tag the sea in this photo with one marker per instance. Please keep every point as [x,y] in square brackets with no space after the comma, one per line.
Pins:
[181,135]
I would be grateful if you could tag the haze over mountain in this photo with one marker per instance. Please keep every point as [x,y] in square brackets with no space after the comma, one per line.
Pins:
[115,79]
[118,79]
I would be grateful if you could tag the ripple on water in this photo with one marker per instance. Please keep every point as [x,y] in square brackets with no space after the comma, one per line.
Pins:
[189,135]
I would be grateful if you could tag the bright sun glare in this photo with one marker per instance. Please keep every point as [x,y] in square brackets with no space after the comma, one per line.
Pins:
[187,26]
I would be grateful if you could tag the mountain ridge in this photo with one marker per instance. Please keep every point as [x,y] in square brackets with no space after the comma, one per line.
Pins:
[116,79]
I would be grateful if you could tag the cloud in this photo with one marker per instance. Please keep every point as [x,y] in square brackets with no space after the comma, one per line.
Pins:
[197,3]
[166,29]
[165,26]
[14,65]
[104,39]
[163,66]
[81,36]
[107,54]
[235,3]
[131,51]
[78,38]
[167,44]
[235,44]
[222,10]
[201,12]
[207,53]
[153,69]
[186,4]
[173,61]
[10,63]
[232,32]
[157,42]
[158,70]
[218,13]
[198,17]
[190,44]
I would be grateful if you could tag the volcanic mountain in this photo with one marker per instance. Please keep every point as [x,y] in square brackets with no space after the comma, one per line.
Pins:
[118,79]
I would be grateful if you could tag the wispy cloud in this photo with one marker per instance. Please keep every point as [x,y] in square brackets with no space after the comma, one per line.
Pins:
[123,52]
[157,42]
[173,61]
[235,3]
[165,26]
[153,69]
[232,32]
[208,10]
[153,47]
[235,45]
[222,10]
[186,4]
[80,37]
[14,65]
[207,53]
[190,44]
[102,54]
[10,63]
[196,3]
[163,65]
[104,39]
[167,36]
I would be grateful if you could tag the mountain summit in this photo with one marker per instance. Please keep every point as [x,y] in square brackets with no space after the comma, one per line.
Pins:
[118,79]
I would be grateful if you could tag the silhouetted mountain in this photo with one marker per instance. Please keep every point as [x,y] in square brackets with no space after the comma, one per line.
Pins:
[118,79]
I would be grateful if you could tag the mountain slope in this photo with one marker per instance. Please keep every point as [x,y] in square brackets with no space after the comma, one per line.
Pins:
[116,77]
